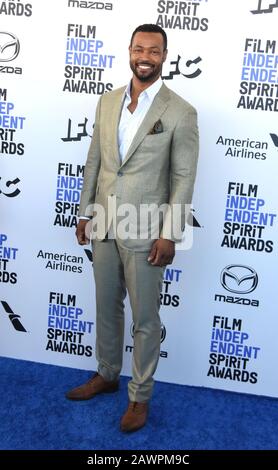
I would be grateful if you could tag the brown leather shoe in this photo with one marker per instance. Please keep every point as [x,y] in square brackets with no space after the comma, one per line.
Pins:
[93,387]
[135,416]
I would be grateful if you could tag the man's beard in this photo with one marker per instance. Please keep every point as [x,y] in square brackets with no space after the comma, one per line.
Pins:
[154,72]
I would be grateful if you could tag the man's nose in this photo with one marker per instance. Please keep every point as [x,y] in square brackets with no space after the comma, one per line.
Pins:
[145,55]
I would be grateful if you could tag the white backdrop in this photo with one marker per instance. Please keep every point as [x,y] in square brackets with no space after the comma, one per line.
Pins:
[219,298]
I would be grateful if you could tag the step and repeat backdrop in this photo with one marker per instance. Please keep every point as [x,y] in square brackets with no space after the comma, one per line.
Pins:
[218,304]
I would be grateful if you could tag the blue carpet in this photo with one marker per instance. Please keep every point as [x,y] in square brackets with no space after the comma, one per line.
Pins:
[35,415]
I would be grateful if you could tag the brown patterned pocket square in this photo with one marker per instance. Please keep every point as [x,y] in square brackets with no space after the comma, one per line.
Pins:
[157,128]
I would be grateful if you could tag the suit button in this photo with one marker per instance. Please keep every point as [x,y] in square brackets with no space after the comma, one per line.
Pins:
[120,173]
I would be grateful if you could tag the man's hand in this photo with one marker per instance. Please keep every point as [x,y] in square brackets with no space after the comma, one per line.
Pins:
[81,233]
[162,252]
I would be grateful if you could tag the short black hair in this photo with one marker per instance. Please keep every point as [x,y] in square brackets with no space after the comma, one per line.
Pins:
[150,28]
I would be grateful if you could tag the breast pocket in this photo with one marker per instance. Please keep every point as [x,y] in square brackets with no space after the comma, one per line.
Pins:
[154,142]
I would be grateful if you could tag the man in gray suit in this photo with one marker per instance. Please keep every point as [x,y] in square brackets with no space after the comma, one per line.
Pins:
[143,152]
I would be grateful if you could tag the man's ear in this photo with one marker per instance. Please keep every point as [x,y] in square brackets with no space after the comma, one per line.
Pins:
[165,55]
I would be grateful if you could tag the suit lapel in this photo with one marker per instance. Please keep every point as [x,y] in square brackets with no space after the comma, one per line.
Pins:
[114,119]
[158,106]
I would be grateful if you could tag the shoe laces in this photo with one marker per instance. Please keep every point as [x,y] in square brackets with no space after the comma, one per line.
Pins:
[92,378]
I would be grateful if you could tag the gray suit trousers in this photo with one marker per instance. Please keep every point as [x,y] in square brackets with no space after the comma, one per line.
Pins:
[117,270]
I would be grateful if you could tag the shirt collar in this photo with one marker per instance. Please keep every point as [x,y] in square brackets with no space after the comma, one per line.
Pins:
[151,91]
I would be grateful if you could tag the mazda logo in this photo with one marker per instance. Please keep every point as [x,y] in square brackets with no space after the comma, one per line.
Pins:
[239,279]
[9,47]
[162,332]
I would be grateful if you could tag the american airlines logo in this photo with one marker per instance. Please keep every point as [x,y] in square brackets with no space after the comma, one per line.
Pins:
[13,317]
[89,255]
[274,139]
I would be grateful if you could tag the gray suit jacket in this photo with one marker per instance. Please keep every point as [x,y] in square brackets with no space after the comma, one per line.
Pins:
[158,169]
